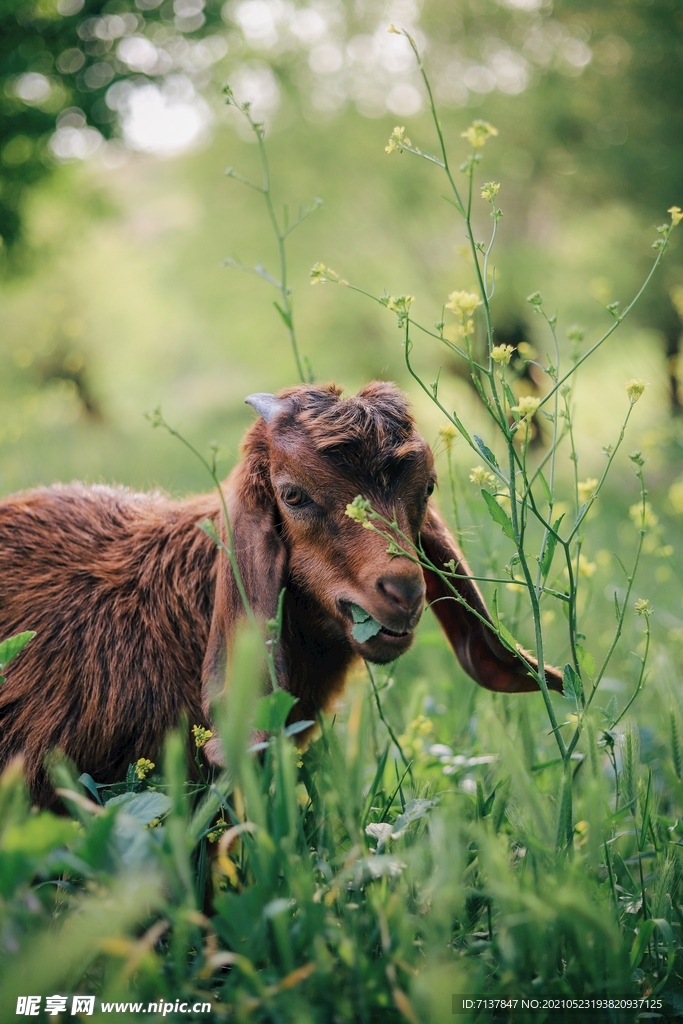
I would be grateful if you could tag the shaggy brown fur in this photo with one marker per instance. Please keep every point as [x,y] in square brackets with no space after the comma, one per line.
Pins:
[134,610]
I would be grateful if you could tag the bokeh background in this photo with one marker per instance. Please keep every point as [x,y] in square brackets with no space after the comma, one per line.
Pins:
[116,217]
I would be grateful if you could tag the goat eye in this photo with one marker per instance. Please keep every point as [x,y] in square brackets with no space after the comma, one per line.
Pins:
[430,488]
[295,496]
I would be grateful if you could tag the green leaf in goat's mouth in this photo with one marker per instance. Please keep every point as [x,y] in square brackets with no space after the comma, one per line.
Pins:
[364,626]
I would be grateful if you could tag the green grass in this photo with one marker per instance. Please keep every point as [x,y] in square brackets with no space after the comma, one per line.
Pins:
[315,918]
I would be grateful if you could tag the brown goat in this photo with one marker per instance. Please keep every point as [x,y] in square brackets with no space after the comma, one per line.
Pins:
[135,609]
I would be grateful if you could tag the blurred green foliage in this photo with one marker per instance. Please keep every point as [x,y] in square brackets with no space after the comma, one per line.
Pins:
[54,70]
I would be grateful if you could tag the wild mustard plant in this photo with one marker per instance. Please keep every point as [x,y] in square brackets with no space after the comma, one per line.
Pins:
[282,228]
[143,766]
[521,496]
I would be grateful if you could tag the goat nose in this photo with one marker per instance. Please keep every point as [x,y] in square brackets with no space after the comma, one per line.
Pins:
[406,592]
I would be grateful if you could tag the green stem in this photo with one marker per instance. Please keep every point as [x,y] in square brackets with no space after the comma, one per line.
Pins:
[391,732]
[284,290]
[618,320]
[620,623]
[286,311]
[454,496]
[641,677]
[550,710]
[432,107]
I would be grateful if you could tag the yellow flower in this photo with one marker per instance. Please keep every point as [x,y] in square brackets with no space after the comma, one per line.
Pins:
[397,140]
[412,739]
[463,303]
[490,190]
[201,735]
[482,477]
[502,354]
[643,606]
[634,390]
[477,133]
[676,214]
[581,830]
[143,767]
[318,273]
[447,435]
[587,489]
[465,329]
[586,568]
[421,725]
[358,509]
[527,406]
[218,829]
[401,304]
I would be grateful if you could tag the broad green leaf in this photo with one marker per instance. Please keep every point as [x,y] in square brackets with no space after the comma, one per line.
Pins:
[272,711]
[13,645]
[485,451]
[414,810]
[586,660]
[90,784]
[143,807]
[362,631]
[498,514]
[571,685]
[25,844]
[359,614]
[39,834]
[364,626]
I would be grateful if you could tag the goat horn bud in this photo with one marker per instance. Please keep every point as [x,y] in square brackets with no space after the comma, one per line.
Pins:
[265,404]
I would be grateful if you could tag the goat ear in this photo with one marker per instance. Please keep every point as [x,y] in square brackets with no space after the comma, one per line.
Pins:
[478,649]
[263,564]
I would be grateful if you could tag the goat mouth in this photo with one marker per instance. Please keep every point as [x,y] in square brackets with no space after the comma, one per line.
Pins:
[352,613]
[392,632]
